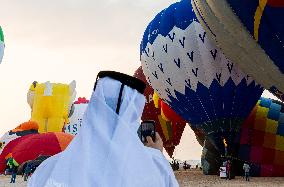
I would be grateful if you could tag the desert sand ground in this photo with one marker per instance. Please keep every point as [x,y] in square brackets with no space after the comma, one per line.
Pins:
[193,178]
[196,178]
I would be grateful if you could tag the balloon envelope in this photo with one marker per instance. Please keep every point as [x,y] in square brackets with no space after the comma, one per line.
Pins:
[31,146]
[29,127]
[170,132]
[251,33]
[193,76]
[75,120]
[2,45]
[262,138]
[50,104]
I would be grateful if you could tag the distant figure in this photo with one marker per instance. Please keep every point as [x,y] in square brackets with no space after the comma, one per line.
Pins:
[177,165]
[186,166]
[228,170]
[246,169]
[13,165]
[27,171]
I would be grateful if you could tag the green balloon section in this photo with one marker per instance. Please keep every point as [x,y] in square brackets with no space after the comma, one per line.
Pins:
[2,45]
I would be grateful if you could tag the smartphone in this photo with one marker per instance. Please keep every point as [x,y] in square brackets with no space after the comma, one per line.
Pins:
[147,128]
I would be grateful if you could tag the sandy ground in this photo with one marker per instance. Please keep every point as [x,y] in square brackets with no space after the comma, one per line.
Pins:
[5,181]
[196,178]
[193,178]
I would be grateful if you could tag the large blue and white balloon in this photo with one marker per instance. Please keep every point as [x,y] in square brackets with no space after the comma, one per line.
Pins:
[251,33]
[192,75]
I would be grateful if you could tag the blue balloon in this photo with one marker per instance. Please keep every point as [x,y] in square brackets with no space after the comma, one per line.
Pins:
[192,75]
[255,29]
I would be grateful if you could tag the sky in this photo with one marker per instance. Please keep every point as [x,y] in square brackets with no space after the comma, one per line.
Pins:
[61,41]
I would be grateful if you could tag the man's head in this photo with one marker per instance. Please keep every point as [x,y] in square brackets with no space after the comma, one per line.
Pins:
[116,90]
[122,93]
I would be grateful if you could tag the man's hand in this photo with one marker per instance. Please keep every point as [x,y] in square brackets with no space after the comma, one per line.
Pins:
[158,144]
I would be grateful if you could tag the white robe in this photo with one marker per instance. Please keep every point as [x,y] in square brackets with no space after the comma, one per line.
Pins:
[107,150]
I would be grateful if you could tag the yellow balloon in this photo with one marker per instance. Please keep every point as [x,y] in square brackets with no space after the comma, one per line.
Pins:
[156,99]
[50,103]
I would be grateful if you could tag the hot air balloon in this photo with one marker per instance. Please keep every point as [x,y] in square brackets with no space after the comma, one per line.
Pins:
[192,75]
[261,139]
[50,104]
[251,34]
[169,131]
[2,45]
[29,127]
[31,146]
[76,118]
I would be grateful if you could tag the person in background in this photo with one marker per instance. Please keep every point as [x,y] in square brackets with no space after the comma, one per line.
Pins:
[246,169]
[184,165]
[228,170]
[27,171]
[13,166]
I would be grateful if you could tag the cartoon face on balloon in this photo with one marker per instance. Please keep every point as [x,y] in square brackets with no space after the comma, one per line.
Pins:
[192,75]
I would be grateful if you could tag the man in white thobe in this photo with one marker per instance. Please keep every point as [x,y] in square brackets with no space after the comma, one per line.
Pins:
[107,150]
